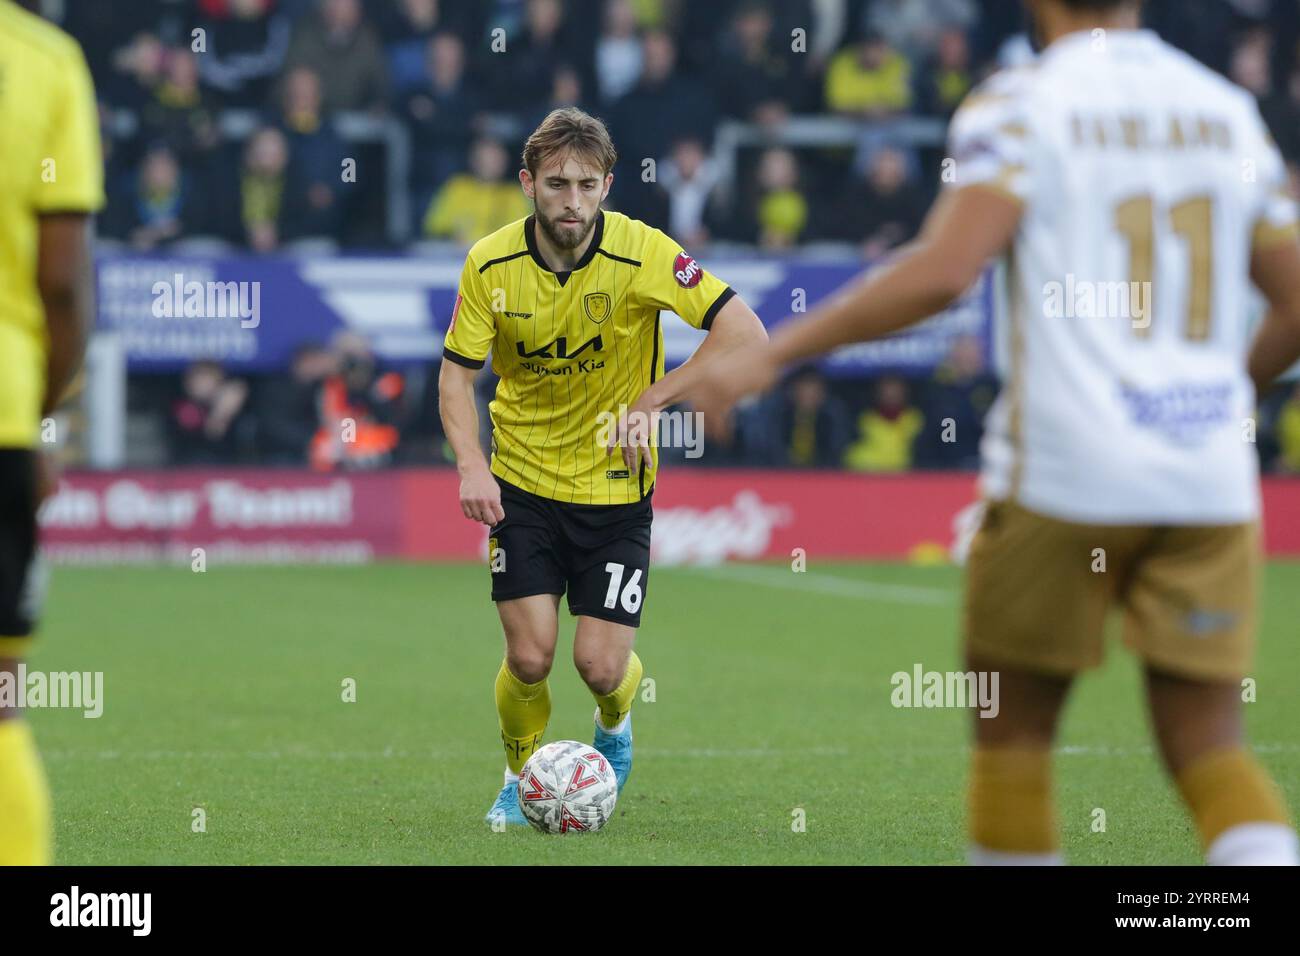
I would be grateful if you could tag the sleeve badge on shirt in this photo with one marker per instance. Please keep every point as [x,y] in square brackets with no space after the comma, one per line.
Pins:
[687,271]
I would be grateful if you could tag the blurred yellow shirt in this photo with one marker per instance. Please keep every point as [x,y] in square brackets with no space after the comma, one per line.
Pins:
[850,88]
[885,444]
[467,208]
[53,164]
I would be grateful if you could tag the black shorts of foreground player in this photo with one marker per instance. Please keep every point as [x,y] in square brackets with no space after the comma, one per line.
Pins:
[567,303]
[598,554]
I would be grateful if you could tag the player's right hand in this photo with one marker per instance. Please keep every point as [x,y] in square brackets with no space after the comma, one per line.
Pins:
[480,497]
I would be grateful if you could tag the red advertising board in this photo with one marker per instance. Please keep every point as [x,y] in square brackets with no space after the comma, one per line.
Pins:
[258,516]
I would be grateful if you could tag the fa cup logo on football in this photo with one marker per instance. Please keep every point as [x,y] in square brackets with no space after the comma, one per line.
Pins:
[923,688]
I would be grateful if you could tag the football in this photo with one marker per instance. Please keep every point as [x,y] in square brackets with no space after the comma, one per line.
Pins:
[567,787]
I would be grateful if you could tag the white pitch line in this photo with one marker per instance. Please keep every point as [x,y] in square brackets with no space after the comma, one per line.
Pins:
[389,753]
[828,584]
[669,753]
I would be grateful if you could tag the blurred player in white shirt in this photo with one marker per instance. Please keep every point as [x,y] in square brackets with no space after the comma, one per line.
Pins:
[1134,195]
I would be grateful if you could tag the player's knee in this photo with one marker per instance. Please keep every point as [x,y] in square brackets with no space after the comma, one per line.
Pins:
[530,665]
[602,676]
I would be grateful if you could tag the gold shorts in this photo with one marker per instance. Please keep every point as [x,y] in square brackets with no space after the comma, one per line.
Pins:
[1038,590]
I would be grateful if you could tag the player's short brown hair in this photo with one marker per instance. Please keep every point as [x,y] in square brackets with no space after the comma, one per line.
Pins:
[570,130]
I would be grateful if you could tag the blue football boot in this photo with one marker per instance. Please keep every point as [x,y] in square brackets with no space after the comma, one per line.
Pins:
[506,808]
[616,748]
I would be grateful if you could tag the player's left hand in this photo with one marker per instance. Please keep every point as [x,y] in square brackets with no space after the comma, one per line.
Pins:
[633,432]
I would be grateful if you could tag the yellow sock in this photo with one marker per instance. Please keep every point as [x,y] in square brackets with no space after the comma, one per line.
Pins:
[25,838]
[523,710]
[617,704]
[1011,801]
[1226,788]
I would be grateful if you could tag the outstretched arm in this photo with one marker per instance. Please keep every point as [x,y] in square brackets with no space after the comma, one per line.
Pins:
[964,229]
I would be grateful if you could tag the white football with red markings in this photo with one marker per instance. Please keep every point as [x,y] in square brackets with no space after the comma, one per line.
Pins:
[567,787]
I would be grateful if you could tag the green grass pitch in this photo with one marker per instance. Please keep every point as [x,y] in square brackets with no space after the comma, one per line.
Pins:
[223,691]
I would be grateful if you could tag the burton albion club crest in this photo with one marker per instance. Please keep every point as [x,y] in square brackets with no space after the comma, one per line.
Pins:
[597,306]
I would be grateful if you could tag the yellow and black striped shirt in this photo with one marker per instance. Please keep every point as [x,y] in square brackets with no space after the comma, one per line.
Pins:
[571,345]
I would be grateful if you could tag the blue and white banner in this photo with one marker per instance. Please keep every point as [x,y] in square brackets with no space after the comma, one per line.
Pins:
[250,313]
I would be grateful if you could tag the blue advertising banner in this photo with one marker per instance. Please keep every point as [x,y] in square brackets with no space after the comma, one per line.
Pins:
[250,313]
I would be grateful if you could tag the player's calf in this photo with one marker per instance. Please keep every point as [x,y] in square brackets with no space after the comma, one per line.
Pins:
[1238,810]
[1012,817]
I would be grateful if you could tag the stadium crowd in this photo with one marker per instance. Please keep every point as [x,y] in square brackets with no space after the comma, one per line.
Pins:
[228,121]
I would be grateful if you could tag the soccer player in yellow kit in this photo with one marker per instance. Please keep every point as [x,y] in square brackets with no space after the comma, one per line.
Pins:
[54,185]
[567,304]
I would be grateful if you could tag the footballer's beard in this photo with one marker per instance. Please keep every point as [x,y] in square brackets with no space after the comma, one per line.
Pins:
[562,236]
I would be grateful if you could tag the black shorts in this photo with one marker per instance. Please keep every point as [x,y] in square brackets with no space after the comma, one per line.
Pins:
[18,572]
[600,554]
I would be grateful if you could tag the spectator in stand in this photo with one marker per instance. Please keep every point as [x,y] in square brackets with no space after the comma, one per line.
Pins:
[247,41]
[521,77]
[407,32]
[289,406]
[262,189]
[811,426]
[343,50]
[137,71]
[888,209]
[687,179]
[886,431]
[441,113]
[958,399]
[180,114]
[201,426]
[618,52]
[663,107]
[566,90]
[316,155]
[111,37]
[361,410]
[166,206]
[1288,434]
[782,210]
[473,204]
[870,79]
[753,82]
[949,77]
